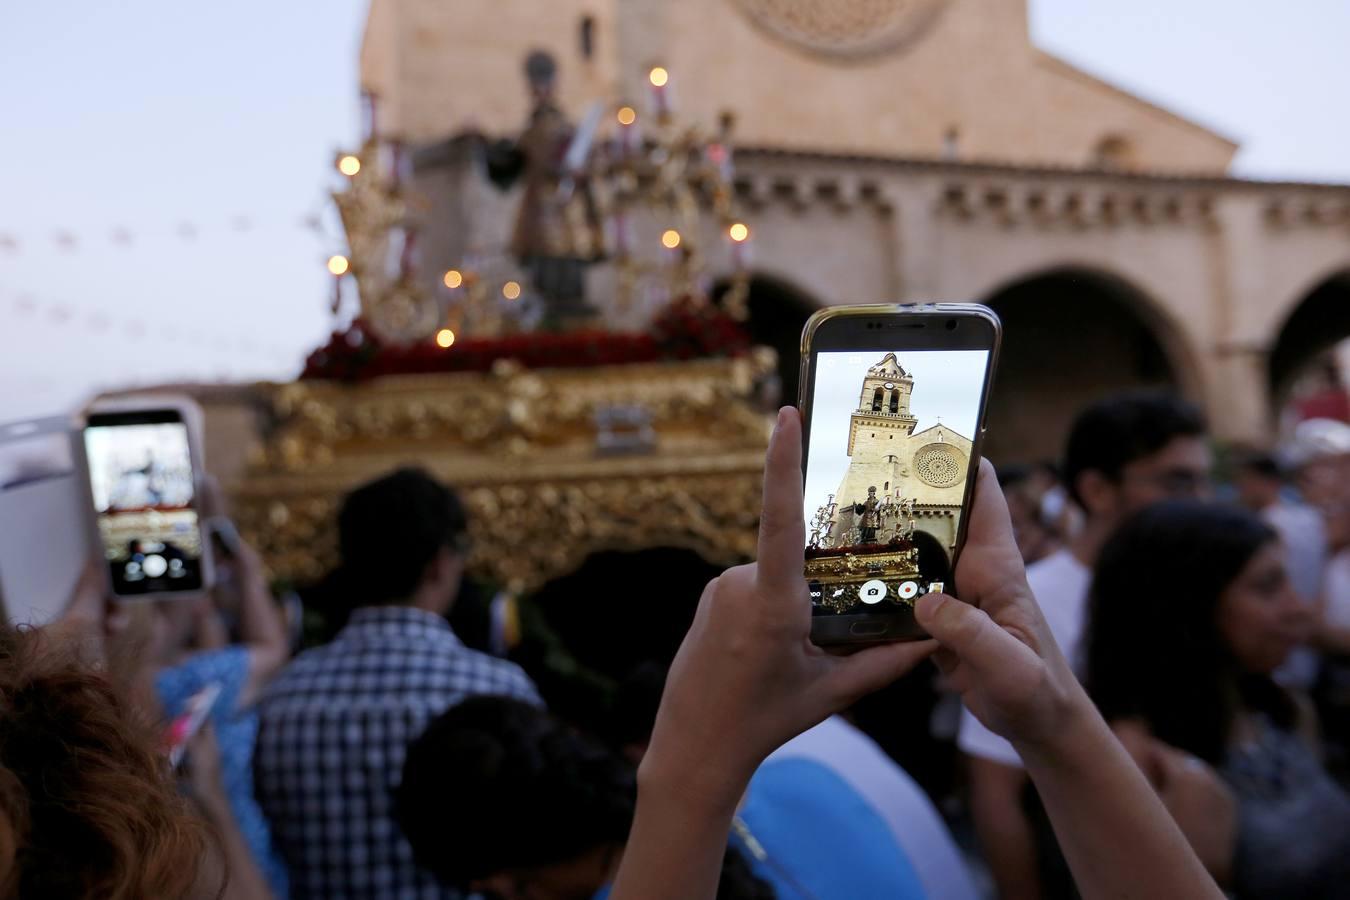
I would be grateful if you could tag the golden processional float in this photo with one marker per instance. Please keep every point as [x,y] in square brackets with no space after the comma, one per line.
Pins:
[502,373]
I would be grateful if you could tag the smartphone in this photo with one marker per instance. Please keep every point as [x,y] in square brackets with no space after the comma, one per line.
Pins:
[142,466]
[893,403]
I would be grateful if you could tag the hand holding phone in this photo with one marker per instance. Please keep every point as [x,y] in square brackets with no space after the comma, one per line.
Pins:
[894,400]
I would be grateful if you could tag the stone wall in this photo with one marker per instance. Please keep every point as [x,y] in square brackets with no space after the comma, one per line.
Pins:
[959,77]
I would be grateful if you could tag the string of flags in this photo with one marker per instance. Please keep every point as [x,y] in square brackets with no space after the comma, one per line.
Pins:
[167,327]
[70,240]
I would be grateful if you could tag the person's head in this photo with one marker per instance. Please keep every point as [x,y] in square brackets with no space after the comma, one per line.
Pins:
[1258,480]
[1190,611]
[1319,453]
[87,805]
[1022,486]
[500,796]
[402,539]
[1131,450]
[633,715]
[872,491]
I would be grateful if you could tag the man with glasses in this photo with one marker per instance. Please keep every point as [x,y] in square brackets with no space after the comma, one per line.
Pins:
[1123,453]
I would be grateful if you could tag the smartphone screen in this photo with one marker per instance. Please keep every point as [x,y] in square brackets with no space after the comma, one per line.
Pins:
[891,440]
[141,478]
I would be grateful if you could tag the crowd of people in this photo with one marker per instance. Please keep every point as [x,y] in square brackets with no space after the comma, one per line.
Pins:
[1146,692]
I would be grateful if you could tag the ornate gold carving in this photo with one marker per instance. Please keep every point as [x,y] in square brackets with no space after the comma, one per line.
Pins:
[844,29]
[842,576]
[522,448]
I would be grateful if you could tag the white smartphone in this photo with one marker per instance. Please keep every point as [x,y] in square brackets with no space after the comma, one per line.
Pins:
[893,400]
[143,465]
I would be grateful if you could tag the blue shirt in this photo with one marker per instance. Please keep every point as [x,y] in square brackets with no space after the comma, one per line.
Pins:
[813,837]
[236,731]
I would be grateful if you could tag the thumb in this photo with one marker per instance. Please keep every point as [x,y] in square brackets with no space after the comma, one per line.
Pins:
[961,628]
[873,668]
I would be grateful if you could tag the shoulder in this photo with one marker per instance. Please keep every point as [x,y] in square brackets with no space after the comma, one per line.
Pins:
[485,674]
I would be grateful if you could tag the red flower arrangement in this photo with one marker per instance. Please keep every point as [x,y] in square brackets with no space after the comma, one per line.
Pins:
[684,330]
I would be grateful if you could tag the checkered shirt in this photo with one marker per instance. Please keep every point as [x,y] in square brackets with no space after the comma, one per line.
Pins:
[334,729]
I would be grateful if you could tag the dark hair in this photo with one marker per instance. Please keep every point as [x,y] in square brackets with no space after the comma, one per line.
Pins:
[636,702]
[87,805]
[1153,645]
[495,785]
[1112,433]
[390,530]
[1257,462]
[1010,476]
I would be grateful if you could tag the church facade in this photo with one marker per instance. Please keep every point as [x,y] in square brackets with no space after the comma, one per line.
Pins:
[907,473]
[912,150]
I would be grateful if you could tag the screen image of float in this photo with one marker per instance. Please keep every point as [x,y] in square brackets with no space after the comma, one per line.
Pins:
[141,480]
[889,453]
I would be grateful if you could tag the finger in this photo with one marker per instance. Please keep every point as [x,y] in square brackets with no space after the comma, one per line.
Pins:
[213,498]
[782,530]
[991,532]
[90,593]
[975,639]
[989,518]
[873,668]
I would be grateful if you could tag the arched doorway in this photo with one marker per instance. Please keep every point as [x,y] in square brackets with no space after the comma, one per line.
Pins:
[778,310]
[1071,336]
[1303,371]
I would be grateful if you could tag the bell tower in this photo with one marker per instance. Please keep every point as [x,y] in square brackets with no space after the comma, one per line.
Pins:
[883,403]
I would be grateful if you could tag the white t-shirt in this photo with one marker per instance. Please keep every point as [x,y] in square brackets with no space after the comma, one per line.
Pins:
[1060,585]
[1337,586]
[895,797]
[1305,545]
[1305,541]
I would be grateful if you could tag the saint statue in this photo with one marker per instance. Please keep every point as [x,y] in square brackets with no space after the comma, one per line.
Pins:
[545,242]
[870,510]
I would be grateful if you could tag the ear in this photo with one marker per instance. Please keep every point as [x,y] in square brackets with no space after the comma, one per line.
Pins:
[1100,495]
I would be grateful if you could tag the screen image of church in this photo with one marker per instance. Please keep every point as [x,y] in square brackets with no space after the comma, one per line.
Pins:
[900,481]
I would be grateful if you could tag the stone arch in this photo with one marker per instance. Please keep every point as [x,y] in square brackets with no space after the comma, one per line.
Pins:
[778,310]
[1318,320]
[1073,334]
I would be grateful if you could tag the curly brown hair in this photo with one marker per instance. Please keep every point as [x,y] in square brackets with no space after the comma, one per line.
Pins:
[88,807]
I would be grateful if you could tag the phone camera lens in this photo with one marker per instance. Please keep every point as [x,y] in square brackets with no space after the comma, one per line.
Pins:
[951,324]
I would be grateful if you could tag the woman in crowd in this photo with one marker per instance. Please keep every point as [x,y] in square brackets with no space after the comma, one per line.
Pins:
[1191,612]
[179,668]
[88,808]
[747,679]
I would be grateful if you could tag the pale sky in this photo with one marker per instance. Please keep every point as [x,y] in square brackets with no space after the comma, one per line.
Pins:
[947,385]
[123,121]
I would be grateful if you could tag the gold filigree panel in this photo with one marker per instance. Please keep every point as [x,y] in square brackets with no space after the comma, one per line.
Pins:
[844,29]
[521,448]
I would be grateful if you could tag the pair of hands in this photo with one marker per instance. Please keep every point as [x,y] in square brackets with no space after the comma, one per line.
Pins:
[747,677]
